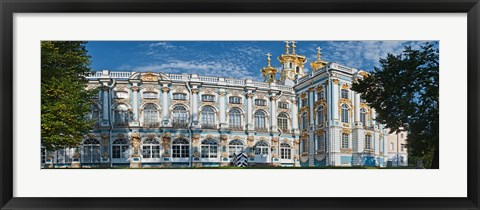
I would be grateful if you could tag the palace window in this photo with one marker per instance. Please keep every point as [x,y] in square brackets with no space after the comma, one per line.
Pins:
[261,148]
[283,105]
[208,98]
[320,115]
[345,113]
[345,93]
[179,115]
[304,121]
[91,151]
[235,147]
[363,116]
[64,155]
[150,95]
[290,65]
[321,142]
[121,115]
[320,95]
[304,102]
[285,151]
[180,148]
[208,117]
[235,119]
[94,114]
[391,146]
[282,122]
[402,146]
[43,152]
[345,140]
[150,116]
[235,100]
[179,96]
[304,145]
[260,102]
[120,148]
[297,70]
[260,120]
[368,142]
[121,94]
[209,148]
[151,148]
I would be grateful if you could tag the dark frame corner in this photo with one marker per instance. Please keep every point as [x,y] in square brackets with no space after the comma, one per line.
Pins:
[9,7]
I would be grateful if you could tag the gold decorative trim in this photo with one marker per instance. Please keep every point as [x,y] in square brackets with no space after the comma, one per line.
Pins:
[346,150]
[335,81]
[149,77]
[345,86]
[346,131]
[303,95]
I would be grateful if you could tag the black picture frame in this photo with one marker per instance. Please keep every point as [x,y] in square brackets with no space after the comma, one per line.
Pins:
[10,7]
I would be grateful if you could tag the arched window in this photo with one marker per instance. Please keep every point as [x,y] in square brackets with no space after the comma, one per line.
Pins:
[297,70]
[282,122]
[235,147]
[120,148]
[305,145]
[91,151]
[320,95]
[179,115]
[151,148]
[235,119]
[345,110]
[304,120]
[121,115]
[345,140]
[320,115]
[209,148]
[368,142]
[180,148]
[363,115]
[261,148]
[285,151]
[150,116]
[260,120]
[64,155]
[208,117]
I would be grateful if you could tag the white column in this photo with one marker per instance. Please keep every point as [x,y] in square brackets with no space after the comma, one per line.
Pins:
[195,106]
[335,99]
[249,110]
[373,116]
[222,117]
[357,108]
[294,115]
[273,112]
[135,102]
[312,104]
[105,103]
[165,109]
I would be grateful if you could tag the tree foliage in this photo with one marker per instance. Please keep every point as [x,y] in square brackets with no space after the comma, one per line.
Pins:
[64,97]
[404,91]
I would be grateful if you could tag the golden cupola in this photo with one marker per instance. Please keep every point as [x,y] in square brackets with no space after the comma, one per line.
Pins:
[292,63]
[269,72]
[319,63]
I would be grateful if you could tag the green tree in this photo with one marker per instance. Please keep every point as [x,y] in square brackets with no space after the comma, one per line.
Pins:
[404,92]
[65,99]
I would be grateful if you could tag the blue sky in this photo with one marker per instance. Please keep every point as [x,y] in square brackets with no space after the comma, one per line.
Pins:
[232,59]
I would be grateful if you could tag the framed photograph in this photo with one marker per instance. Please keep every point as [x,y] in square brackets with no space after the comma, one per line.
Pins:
[239,105]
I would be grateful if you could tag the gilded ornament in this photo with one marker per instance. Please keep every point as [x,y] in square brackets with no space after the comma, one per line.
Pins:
[346,130]
[345,86]
[303,95]
[319,88]
[165,89]
[319,132]
[273,98]
[310,89]
[149,77]
[363,73]
[151,136]
[274,140]
[196,154]
[135,88]
[92,136]
[346,150]
[335,81]
[224,155]
[195,91]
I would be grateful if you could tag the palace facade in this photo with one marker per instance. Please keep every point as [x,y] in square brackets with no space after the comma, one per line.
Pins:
[153,119]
